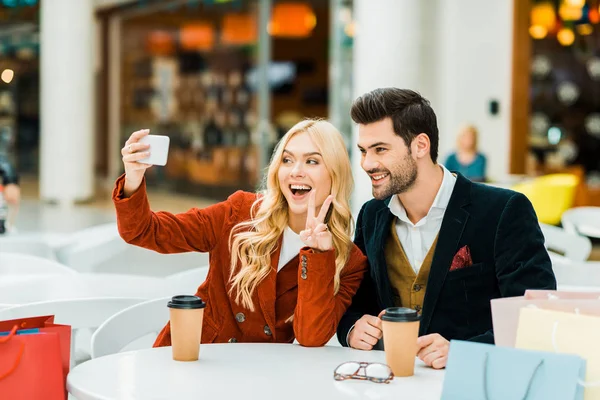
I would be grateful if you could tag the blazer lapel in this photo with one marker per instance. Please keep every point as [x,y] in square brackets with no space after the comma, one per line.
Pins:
[287,281]
[267,289]
[376,255]
[453,224]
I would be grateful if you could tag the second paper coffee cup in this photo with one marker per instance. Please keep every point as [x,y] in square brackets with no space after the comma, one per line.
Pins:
[400,333]
[186,315]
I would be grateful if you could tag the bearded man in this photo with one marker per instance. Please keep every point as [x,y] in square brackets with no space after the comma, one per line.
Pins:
[435,241]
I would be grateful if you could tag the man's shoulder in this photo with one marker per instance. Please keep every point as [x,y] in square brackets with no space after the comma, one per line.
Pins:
[492,198]
[489,191]
[373,206]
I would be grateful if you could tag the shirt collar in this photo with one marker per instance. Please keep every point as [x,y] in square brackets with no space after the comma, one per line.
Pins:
[442,198]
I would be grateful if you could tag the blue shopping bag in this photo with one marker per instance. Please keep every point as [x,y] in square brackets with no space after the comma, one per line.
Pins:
[477,371]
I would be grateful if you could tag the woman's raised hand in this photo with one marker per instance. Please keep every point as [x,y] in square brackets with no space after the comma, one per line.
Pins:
[316,234]
[132,152]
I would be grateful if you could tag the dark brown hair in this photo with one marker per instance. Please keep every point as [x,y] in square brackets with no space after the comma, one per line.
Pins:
[410,112]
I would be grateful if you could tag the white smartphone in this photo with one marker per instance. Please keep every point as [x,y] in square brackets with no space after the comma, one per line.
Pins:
[159,149]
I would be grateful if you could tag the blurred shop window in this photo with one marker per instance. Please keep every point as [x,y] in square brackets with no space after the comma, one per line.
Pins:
[185,75]
[565,88]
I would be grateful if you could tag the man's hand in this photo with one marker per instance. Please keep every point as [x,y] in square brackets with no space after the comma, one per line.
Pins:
[366,332]
[433,350]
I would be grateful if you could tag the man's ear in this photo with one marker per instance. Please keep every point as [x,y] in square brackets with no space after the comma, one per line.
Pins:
[421,145]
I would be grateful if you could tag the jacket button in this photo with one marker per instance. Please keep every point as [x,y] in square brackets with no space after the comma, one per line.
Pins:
[417,287]
[303,275]
[240,317]
[418,308]
[232,340]
[303,261]
[267,330]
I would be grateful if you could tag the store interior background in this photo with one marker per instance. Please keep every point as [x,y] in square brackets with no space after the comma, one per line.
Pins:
[526,73]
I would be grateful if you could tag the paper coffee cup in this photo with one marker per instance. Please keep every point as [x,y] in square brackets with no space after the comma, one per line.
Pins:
[186,315]
[400,333]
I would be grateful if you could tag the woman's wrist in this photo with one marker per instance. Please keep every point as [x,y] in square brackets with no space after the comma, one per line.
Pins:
[129,188]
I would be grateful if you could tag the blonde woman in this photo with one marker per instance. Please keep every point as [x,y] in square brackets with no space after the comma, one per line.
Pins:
[282,262]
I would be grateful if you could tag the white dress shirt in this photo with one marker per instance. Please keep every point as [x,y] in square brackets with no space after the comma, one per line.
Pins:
[417,238]
[290,247]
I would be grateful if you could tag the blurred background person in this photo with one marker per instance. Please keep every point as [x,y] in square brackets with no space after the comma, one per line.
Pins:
[466,159]
[10,194]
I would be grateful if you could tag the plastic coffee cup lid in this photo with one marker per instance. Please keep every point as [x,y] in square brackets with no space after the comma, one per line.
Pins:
[400,314]
[186,302]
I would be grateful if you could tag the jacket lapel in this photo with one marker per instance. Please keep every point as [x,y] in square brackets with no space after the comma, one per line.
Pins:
[287,281]
[267,289]
[383,221]
[453,224]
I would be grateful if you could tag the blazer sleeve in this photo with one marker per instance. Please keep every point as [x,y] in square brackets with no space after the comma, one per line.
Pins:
[521,259]
[365,299]
[195,230]
[318,309]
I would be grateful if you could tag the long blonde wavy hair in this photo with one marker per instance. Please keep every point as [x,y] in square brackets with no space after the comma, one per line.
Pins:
[253,242]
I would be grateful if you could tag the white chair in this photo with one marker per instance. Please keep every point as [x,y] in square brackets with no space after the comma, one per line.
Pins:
[23,264]
[570,245]
[139,261]
[577,274]
[557,259]
[78,313]
[129,325]
[187,282]
[583,221]
[27,244]
[101,249]
[92,246]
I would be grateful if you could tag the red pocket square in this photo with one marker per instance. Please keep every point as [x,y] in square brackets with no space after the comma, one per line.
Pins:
[461,259]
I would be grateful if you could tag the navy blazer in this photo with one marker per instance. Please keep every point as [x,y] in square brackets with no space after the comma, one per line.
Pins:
[507,248]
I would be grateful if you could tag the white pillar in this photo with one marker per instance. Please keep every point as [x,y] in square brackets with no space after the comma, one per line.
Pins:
[388,51]
[67,132]
[475,67]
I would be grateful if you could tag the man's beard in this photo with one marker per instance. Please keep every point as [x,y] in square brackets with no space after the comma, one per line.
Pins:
[401,178]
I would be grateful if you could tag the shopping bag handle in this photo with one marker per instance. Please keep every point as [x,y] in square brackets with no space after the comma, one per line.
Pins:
[555,346]
[485,377]
[5,339]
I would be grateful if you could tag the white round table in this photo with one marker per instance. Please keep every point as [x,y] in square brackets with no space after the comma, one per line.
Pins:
[243,371]
[29,289]
[577,288]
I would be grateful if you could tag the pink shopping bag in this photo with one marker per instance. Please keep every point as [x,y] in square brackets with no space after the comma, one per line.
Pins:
[505,311]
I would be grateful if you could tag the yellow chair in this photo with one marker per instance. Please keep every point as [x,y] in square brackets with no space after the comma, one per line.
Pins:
[551,195]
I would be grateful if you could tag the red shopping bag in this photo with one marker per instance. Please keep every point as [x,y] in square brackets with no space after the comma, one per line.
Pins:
[45,324]
[31,366]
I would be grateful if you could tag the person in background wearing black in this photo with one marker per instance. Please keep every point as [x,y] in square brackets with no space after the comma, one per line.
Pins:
[11,192]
